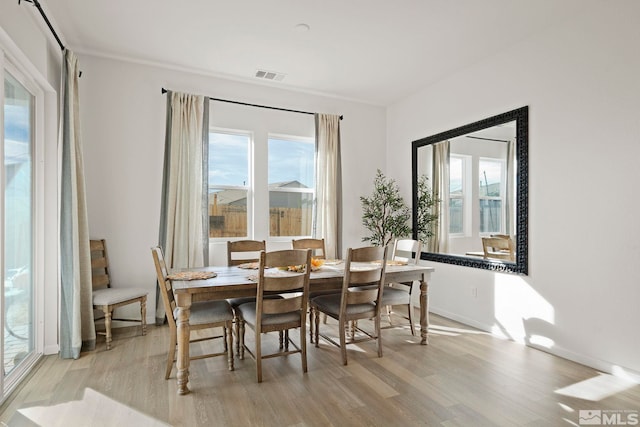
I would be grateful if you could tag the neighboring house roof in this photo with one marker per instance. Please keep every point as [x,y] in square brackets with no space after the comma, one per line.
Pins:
[239,197]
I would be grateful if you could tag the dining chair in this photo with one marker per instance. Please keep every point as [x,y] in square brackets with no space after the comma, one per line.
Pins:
[318,251]
[365,269]
[106,298]
[204,315]
[268,314]
[316,245]
[244,251]
[405,251]
[499,247]
[241,252]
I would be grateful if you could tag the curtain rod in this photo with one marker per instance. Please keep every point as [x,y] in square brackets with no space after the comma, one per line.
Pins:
[36,3]
[486,139]
[252,105]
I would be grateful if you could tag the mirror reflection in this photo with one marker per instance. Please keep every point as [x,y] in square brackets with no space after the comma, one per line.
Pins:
[478,172]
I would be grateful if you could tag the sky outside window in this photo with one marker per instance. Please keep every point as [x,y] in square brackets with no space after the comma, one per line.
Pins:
[291,161]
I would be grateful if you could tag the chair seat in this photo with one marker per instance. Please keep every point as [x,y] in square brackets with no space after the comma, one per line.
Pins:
[395,296]
[248,313]
[236,302]
[109,296]
[208,312]
[330,304]
[314,294]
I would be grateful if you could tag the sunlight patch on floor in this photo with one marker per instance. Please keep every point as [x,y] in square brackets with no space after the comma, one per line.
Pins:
[95,409]
[597,388]
[444,330]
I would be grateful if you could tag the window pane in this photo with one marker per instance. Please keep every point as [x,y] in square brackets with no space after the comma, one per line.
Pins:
[18,223]
[228,184]
[490,178]
[456,216]
[227,213]
[490,216]
[228,159]
[290,214]
[291,187]
[455,176]
[291,162]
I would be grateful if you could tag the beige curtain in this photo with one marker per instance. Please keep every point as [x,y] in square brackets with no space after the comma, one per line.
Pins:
[439,242]
[182,234]
[328,206]
[77,329]
[184,218]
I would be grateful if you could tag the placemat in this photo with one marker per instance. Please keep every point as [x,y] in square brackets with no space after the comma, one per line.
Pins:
[192,275]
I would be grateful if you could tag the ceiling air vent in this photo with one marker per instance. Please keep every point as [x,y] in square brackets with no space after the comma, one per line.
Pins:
[269,75]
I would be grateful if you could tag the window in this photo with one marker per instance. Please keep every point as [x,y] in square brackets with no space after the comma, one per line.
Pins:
[238,198]
[229,184]
[457,192]
[490,190]
[291,185]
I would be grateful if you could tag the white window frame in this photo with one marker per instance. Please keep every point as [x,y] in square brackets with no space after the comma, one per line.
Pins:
[501,197]
[312,190]
[249,188]
[14,63]
[466,196]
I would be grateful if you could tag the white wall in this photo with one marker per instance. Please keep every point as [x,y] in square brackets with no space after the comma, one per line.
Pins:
[123,125]
[581,83]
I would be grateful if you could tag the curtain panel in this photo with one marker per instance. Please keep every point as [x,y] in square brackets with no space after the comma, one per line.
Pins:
[439,242]
[184,215]
[77,328]
[328,204]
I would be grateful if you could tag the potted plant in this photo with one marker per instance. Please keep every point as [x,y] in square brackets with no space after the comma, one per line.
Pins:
[427,219]
[385,213]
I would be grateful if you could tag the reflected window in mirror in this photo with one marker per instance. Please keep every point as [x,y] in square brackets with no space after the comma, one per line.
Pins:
[479,174]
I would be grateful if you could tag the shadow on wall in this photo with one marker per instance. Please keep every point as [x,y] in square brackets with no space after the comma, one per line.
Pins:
[521,313]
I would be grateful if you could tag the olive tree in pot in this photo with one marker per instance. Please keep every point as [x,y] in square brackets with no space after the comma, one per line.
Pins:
[427,214]
[386,215]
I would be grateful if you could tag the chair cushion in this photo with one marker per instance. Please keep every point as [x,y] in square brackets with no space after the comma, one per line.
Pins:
[108,296]
[203,312]
[330,304]
[248,313]
[314,294]
[235,302]
[395,296]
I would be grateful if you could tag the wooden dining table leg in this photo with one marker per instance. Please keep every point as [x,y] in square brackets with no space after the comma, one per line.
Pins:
[183,330]
[424,311]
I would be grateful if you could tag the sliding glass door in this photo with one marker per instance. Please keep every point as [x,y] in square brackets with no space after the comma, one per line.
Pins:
[17,226]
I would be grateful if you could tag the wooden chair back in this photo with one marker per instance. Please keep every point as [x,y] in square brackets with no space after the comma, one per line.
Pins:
[406,250]
[168,299]
[99,265]
[243,251]
[498,248]
[281,282]
[369,278]
[316,245]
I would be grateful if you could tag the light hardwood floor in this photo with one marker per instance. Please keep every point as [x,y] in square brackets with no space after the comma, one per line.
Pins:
[464,377]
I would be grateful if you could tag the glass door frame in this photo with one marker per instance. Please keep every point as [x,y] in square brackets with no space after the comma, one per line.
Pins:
[8,383]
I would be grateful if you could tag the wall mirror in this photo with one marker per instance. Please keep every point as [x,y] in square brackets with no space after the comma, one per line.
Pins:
[479,172]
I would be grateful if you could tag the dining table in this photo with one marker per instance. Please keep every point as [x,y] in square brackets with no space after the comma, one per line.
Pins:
[234,282]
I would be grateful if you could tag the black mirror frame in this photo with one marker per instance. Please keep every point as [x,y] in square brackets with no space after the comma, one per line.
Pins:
[521,116]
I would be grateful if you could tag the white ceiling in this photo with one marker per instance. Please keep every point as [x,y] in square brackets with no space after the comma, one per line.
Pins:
[374,51]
